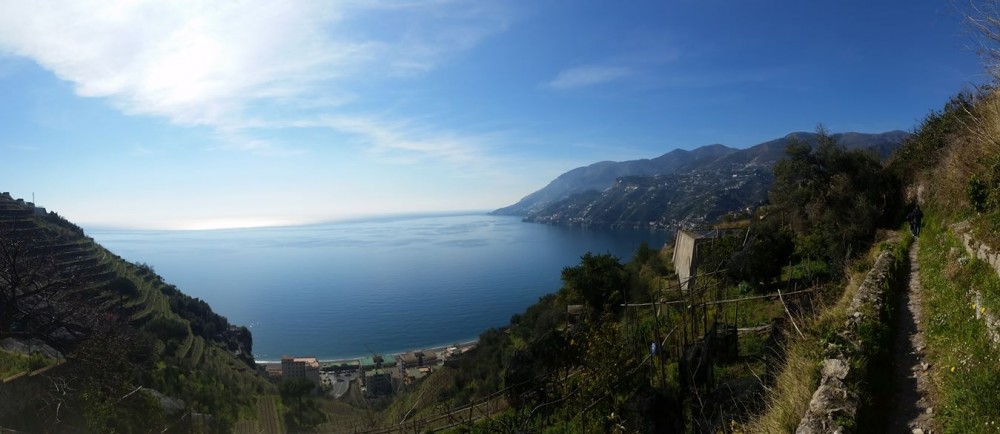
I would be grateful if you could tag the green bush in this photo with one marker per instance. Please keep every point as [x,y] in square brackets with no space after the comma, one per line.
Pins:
[978,193]
[832,199]
[167,329]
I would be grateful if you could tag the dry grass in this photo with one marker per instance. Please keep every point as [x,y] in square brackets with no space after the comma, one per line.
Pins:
[969,153]
[793,388]
[788,398]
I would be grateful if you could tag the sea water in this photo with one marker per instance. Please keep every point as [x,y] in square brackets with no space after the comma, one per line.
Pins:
[385,285]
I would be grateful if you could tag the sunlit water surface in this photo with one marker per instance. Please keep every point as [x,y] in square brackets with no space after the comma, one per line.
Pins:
[390,284]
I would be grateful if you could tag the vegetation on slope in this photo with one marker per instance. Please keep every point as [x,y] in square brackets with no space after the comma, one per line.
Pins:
[129,339]
[579,360]
[705,165]
[953,166]
[959,342]
[823,336]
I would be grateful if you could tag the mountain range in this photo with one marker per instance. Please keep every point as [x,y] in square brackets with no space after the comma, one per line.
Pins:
[677,189]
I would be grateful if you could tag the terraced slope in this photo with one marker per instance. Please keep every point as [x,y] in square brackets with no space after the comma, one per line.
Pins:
[178,346]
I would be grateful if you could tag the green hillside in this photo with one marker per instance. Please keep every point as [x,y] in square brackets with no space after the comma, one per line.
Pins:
[629,347]
[832,229]
[952,166]
[133,352]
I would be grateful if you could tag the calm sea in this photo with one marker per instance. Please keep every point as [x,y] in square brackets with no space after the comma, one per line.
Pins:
[391,284]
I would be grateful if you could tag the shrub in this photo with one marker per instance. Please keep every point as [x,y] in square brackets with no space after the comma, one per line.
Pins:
[166,328]
[978,193]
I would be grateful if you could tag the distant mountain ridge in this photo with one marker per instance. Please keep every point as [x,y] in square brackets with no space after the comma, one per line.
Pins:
[676,187]
[599,176]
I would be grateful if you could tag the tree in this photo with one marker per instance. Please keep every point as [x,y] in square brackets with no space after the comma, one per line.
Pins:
[38,293]
[107,370]
[303,413]
[832,199]
[984,18]
[760,259]
[598,282]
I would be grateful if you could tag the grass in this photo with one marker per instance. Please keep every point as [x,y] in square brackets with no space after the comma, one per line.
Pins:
[147,311]
[788,397]
[15,363]
[969,153]
[182,350]
[197,349]
[966,363]
[793,387]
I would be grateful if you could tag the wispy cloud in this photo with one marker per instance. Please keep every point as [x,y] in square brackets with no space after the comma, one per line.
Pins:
[587,75]
[406,142]
[229,65]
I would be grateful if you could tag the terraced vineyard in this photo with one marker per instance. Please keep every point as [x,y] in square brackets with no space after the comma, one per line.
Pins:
[196,355]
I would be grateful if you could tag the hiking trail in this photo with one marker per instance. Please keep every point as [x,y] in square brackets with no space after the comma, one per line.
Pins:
[911,410]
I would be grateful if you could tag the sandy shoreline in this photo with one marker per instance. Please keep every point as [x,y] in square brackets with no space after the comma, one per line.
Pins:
[391,357]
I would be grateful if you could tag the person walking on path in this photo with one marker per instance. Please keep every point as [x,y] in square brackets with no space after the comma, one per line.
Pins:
[914,217]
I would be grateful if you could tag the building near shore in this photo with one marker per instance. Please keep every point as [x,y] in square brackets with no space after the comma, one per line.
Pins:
[375,362]
[378,382]
[300,367]
[273,370]
[416,359]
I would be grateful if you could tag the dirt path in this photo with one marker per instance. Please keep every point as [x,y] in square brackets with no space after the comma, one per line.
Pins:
[911,411]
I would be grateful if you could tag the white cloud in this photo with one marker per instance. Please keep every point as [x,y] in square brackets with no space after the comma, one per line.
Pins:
[587,75]
[233,65]
[196,64]
[404,142]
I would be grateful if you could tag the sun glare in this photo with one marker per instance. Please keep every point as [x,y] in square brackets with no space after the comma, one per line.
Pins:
[231,223]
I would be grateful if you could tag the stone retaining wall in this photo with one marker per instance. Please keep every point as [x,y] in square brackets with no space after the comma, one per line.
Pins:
[834,405]
[978,249]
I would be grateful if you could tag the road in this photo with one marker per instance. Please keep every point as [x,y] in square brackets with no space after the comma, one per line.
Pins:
[339,383]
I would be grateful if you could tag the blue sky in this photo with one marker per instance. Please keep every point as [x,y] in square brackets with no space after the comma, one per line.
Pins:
[148,114]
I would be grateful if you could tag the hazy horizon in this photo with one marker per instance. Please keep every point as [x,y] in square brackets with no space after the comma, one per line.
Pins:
[265,225]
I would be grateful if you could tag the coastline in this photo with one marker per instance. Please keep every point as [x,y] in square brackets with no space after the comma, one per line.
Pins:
[458,277]
[463,346]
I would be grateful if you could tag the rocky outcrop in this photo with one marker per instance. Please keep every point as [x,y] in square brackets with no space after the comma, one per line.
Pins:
[834,406]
